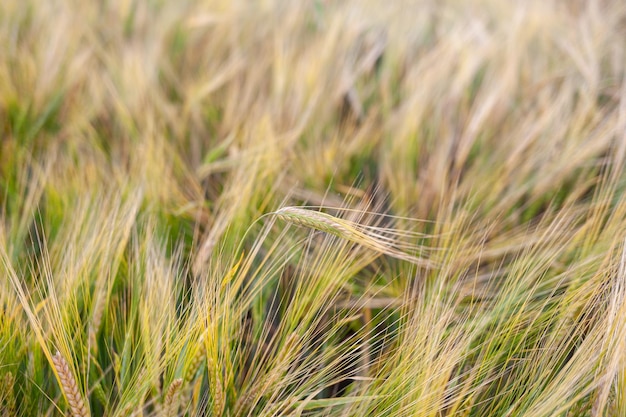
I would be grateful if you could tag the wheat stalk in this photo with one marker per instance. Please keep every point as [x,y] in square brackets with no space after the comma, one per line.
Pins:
[99,394]
[215,386]
[7,395]
[96,319]
[316,220]
[172,399]
[615,337]
[69,386]
[245,401]
[282,363]
[192,369]
[197,360]
[350,231]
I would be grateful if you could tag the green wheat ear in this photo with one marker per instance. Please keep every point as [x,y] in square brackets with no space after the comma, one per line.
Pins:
[6,394]
[353,232]
[216,388]
[316,220]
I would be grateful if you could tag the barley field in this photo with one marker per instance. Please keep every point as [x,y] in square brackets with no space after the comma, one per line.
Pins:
[313,208]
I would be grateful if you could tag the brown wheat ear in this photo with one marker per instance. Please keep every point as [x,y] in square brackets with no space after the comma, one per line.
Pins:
[69,386]
[172,399]
[6,395]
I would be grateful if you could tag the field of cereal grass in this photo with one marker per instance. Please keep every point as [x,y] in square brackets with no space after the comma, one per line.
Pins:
[312,208]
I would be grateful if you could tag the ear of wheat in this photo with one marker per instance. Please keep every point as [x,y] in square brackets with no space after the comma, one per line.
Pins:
[197,360]
[172,399]
[215,386]
[283,361]
[192,370]
[96,319]
[316,220]
[6,395]
[69,386]
[363,235]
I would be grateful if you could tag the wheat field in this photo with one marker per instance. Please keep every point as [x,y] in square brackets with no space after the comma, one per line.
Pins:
[312,208]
